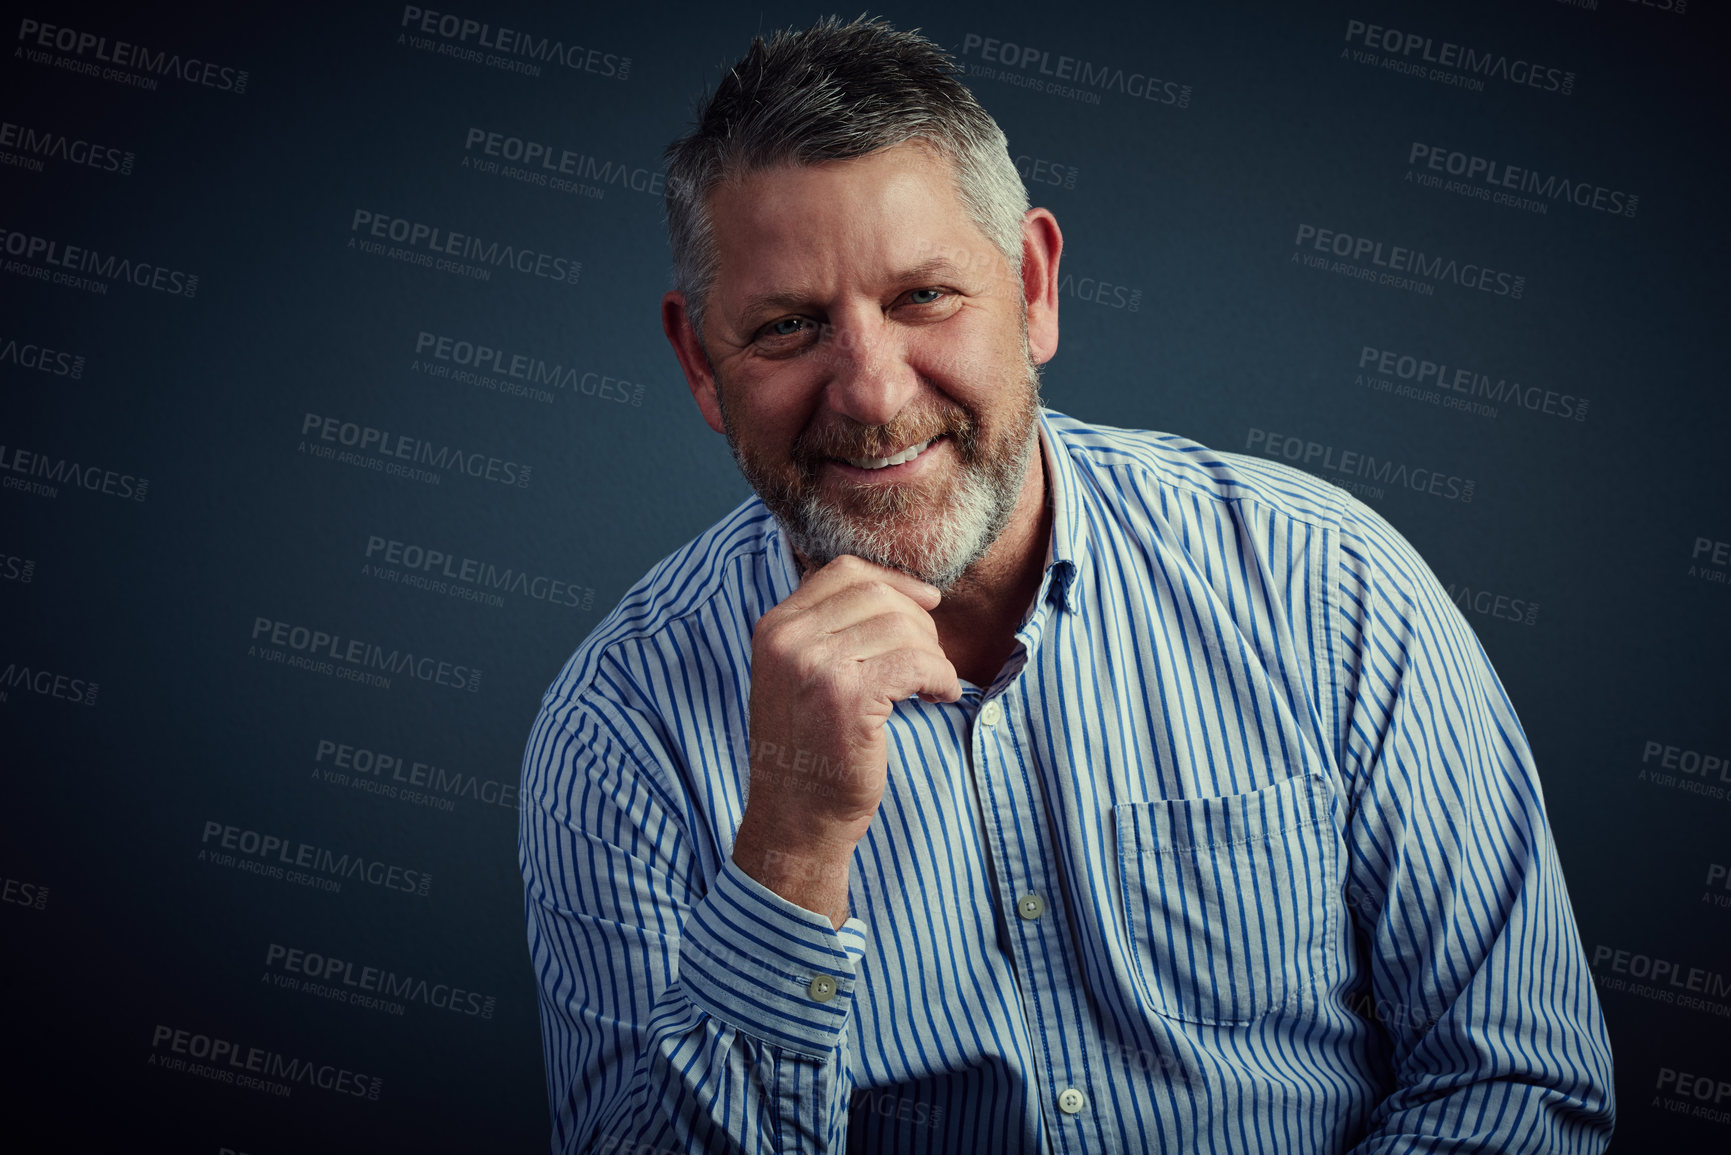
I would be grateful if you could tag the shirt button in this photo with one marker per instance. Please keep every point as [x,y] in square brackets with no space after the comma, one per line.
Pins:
[990,715]
[1071,1101]
[1031,906]
[821,988]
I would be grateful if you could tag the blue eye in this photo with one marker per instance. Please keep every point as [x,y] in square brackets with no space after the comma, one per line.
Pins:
[930,295]
[786,327]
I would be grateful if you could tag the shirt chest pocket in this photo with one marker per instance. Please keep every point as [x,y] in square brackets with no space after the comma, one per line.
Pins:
[1230,903]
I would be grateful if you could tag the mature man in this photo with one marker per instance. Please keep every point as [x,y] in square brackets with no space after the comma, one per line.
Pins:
[994,782]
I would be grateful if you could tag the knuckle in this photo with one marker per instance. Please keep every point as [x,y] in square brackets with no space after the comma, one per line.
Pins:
[900,665]
[809,666]
[877,587]
[771,625]
[770,645]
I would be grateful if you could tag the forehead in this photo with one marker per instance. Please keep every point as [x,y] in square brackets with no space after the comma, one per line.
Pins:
[830,226]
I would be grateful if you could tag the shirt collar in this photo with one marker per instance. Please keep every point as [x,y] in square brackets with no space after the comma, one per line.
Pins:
[1064,549]
[784,571]
[1068,545]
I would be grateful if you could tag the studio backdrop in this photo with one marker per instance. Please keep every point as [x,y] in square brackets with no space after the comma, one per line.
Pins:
[335,412]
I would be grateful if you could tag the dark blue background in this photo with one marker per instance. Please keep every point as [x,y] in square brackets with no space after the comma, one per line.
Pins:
[1196,208]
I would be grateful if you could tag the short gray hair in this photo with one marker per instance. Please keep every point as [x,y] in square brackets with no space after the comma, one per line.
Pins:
[831,92]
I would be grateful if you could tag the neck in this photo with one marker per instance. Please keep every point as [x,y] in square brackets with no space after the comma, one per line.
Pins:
[978,618]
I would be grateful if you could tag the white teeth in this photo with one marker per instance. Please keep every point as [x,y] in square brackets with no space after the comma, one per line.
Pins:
[905,455]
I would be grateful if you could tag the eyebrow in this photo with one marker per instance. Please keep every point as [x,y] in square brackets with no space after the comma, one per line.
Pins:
[775,302]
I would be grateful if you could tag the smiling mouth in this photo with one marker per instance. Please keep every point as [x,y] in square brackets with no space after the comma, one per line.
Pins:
[901,458]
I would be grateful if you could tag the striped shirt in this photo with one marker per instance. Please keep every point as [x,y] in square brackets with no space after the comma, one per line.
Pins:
[1243,851]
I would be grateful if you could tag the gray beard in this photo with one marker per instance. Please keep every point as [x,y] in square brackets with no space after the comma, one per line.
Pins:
[942,545]
[941,548]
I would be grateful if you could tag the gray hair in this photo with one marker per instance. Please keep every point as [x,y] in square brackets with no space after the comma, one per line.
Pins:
[832,92]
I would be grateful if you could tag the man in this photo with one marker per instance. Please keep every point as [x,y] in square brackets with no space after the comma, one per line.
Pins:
[992,782]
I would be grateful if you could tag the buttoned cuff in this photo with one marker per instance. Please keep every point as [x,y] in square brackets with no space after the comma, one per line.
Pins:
[769,967]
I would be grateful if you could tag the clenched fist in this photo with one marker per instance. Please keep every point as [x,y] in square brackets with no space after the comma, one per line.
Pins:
[828,666]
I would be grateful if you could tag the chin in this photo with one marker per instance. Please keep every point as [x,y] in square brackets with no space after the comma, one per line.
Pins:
[938,548]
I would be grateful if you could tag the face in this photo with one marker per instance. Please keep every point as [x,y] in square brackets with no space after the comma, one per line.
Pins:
[870,361]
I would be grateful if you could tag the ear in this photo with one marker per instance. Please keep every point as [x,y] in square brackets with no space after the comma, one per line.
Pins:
[1042,245]
[688,347]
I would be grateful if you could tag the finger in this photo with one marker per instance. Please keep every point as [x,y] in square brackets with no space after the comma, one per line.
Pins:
[885,633]
[855,605]
[902,674]
[850,570]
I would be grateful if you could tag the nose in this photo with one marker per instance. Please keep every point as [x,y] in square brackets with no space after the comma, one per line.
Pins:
[870,379]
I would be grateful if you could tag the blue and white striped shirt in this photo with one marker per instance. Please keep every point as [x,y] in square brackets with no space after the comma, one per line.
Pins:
[1242,851]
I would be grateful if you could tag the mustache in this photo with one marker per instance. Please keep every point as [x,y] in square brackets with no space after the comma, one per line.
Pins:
[815,445]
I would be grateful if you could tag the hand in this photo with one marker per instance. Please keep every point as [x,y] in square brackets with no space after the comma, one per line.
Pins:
[828,666]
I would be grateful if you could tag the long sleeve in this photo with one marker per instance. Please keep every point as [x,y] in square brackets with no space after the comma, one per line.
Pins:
[1478,975]
[1295,888]
[684,1007]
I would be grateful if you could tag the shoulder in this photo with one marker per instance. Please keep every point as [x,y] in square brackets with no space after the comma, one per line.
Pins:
[1128,464]
[1200,506]
[718,572]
